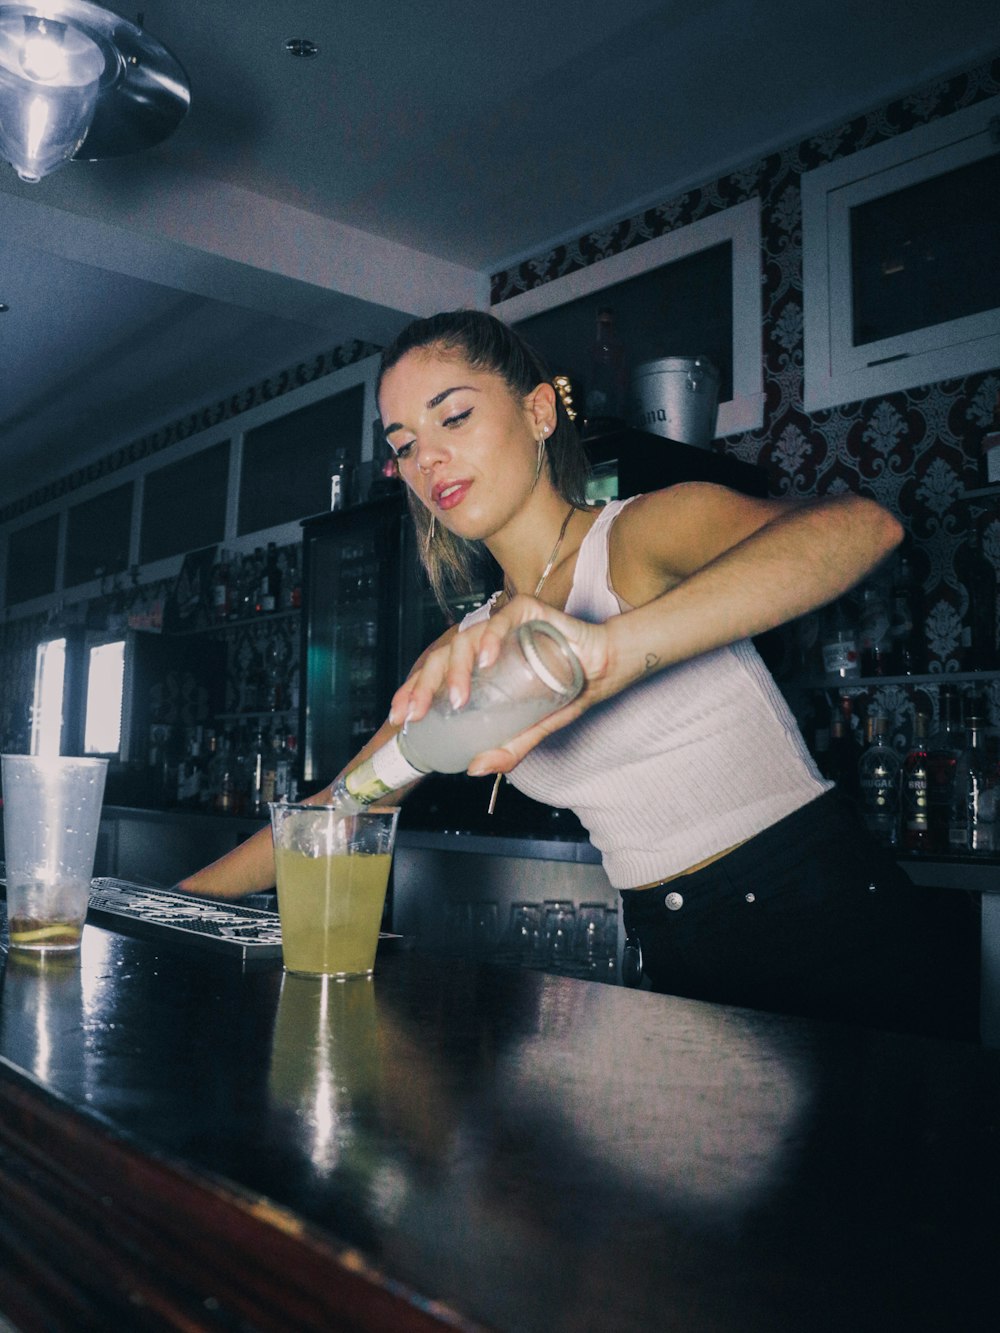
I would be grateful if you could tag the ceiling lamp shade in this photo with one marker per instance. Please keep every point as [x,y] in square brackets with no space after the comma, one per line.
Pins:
[79,81]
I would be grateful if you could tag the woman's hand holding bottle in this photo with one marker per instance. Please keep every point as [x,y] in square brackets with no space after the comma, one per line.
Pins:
[452,663]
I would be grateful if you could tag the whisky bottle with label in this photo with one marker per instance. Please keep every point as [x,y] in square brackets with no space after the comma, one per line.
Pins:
[915,827]
[878,782]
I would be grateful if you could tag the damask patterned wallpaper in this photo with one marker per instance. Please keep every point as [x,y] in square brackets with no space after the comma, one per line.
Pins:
[914,451]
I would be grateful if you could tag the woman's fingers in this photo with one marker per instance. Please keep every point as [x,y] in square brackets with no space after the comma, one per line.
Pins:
[448,667]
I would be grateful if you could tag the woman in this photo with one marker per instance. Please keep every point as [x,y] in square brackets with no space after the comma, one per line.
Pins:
[744,878]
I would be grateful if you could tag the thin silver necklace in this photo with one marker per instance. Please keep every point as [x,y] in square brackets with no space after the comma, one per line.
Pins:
[550,563]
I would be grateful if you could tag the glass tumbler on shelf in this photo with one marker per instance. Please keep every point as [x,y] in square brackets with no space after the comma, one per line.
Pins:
[559,931]
[523,931]
[590,945]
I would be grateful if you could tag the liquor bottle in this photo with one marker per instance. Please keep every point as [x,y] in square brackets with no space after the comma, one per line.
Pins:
[840,641]
[221,588]
[269,770]
[907,658]
[972,825]
[878,781]
[989,458]
[292,751]
[222,778]
[260,580]
[874,642]
[979,632]
[944,746]
[915,829]
[270,583]
[294,580]
[286,565]
[536,673]
[843,756]
[248,586]
[190,770]
[607,381]
[256,757]
[340,480]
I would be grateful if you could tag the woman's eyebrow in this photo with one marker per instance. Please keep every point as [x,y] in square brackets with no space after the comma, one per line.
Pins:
[436,401]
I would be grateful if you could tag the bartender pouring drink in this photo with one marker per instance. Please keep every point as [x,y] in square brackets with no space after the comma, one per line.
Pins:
[746,877]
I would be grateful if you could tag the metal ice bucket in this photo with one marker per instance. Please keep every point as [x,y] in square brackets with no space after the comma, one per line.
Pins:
[677,397]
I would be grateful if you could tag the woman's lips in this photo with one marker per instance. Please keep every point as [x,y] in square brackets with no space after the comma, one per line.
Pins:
[450,494]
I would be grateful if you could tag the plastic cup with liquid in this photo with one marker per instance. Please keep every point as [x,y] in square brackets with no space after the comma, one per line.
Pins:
[51,818]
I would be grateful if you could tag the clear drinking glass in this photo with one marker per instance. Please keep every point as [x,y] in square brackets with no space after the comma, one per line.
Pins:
[332,871]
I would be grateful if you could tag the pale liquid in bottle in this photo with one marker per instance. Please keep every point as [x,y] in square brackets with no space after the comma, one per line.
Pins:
[331,910]
[445,742]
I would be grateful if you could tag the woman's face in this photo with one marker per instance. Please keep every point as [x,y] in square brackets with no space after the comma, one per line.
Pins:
[465,444]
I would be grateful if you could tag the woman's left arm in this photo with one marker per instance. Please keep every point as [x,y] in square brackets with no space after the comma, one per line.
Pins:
[702,566]
[705,566]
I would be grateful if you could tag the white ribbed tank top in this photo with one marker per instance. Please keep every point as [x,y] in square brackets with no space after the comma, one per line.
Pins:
[678,767]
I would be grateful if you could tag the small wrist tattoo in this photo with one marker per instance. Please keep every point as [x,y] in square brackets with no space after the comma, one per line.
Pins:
[652,662]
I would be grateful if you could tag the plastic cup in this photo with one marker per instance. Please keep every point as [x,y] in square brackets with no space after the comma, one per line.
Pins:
[51,817]
[332,871]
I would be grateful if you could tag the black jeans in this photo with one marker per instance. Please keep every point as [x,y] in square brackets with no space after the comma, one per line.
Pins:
[813,917]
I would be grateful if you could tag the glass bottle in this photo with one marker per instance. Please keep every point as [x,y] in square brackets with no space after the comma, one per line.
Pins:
[972,826]
[340,480]
[874,640]
[221,588]
[878,781]
[842,762]
[904,617]
[989,455]
[270,583]
[840,640]
[607,381]
[943,748]
[536,673]
[915,829]
[979,630]
[248,585]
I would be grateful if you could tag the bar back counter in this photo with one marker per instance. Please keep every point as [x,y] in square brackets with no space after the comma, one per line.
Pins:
[191,1142]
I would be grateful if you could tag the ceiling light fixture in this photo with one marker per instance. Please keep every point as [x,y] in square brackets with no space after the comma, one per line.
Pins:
[79,81]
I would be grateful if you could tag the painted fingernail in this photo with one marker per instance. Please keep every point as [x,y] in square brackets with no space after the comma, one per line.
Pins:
[455,696]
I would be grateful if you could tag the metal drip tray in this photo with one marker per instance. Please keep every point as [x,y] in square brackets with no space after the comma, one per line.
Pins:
[250,933]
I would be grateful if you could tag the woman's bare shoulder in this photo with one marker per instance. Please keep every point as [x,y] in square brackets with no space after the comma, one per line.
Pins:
[663,536]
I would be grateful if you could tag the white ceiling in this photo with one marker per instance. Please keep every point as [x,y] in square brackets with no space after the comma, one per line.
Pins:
[302,204]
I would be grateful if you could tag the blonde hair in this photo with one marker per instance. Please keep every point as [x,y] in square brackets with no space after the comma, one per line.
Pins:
[454,566]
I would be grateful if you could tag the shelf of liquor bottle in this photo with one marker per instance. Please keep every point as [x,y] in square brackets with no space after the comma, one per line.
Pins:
[266,714]
[265,618]
[922,678]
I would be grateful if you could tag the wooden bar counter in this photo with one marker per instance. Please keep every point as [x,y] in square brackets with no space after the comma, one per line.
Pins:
[190,1143]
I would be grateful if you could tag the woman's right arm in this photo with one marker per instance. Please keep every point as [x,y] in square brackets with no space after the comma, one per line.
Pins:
[249,868]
